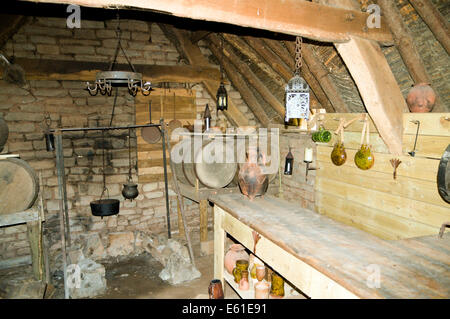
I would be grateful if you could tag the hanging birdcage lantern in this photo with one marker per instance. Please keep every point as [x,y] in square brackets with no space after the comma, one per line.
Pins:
[297,90]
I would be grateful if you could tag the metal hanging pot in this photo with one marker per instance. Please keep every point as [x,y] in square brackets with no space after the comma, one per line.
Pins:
[108,206]
[151,134]
[130,190]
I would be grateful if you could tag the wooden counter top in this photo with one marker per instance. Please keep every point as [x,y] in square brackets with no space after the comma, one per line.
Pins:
[411,268]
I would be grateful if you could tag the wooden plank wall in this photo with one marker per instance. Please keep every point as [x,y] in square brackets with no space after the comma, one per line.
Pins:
[372,200]
[150,156]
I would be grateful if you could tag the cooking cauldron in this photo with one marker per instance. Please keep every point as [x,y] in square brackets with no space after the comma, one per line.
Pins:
[105,207]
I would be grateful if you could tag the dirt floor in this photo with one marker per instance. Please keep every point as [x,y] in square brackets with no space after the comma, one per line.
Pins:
[133,277]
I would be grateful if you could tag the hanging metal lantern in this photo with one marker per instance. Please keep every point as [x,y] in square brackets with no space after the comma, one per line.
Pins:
[288,165]
[297,91]
[222,97]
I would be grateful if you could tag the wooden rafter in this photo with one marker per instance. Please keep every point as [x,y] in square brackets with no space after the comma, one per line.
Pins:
[253,56]
[281,68]
[288,16]
[248,74]
[405,44]
[238,82]
[194,56]
[322,75]
[9,25]
[306,72]
[435,21]
[39,69]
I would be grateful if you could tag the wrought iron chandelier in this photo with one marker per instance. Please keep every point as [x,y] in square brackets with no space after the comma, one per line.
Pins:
[297,90]
[105,80]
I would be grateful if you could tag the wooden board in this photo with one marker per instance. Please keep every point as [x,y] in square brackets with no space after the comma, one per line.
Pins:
[342,253]
[150,156]
[372,200]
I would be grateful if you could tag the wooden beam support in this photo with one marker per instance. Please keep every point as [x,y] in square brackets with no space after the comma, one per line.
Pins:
[194,56]
[376,83]
[435,21]
[248,74]
[322,75]
[199,35]
[378,88]
[288,16]
[37,69]
[239,83]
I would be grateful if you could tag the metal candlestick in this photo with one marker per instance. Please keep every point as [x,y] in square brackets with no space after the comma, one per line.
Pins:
[308,169]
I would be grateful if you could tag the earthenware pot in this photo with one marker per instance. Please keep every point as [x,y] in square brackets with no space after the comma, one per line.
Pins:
[243,283]
[241,265]
[262,289]
[236,252]
[277,287]
[252,181]
[421,98]
[215,289]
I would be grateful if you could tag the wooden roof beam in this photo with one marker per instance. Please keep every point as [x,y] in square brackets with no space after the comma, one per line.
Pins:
[239,83]
[289,16]
[322,75]
[9,25]
[248,74]
[40,69]
[435,21]
[194,56]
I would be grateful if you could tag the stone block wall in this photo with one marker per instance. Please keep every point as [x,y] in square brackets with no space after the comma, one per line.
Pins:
[295,188]
[68,104]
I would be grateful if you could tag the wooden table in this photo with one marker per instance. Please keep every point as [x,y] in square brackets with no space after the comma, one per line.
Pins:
[326,259]
[33,219]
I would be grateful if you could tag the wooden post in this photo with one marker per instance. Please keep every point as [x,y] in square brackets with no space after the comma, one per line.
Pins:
[219,244]
[203,207]
[180,221]
[34,233]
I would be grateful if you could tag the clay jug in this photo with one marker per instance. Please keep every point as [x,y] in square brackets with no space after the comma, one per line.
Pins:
[421,98]
[364,158]
[338,155]
[252,181]
[215,290]
[236,252]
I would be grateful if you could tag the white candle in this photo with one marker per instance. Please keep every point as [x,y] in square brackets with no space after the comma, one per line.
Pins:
[308,154]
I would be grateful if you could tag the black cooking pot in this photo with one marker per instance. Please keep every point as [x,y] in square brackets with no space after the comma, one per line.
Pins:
[105,207]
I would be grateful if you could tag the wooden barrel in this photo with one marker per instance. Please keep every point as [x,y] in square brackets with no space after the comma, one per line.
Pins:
[19,185]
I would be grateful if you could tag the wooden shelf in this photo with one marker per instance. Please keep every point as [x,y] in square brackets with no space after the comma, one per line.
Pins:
[250,294]
[26,216]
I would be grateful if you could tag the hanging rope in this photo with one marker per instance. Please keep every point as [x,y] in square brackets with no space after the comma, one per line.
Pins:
[298,54]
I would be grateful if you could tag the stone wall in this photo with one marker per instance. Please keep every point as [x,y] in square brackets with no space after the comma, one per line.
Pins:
[295,188]
[68,105]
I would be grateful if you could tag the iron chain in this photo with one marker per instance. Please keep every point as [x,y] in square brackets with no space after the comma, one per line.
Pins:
[298,54]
